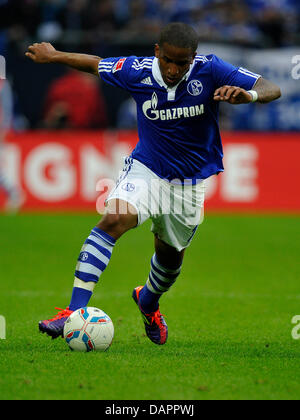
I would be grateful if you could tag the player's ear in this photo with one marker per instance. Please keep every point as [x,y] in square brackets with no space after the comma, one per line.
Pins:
[156,50]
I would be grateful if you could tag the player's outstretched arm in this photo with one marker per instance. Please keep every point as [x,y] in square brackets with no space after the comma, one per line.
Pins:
[45,53]
[266,92]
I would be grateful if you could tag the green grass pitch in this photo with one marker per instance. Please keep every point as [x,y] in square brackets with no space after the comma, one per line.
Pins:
[229,314]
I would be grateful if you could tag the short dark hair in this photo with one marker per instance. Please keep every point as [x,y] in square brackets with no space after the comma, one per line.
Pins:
[179,35]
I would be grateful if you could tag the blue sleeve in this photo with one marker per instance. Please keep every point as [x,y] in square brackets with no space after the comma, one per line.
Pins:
[118,71]
[227,74]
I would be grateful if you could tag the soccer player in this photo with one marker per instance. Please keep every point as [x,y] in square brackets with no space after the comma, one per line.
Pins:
[177,93]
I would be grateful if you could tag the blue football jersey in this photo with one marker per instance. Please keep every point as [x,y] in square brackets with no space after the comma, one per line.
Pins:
[179,136]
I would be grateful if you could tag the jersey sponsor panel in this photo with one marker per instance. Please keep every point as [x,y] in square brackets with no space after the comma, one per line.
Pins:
[152,113]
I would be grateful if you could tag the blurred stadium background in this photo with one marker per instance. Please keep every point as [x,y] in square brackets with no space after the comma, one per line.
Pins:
[67,130]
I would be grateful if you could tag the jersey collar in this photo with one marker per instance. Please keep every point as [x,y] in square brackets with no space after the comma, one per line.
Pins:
[158,77]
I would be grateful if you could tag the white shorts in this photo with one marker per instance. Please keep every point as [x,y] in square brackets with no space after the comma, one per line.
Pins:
[176,210]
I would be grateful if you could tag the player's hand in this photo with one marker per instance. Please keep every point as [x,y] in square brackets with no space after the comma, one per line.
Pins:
[232,94]
[41,53]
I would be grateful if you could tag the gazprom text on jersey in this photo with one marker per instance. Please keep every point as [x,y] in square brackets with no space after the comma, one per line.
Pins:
[173,113]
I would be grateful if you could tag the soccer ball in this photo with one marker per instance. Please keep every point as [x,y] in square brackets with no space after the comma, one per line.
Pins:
[89,329]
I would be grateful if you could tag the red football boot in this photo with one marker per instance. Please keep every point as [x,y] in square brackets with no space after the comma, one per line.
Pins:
[155,324]
[55,327]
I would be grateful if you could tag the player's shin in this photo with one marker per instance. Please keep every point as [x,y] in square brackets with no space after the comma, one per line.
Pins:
[160,280]
[93,259]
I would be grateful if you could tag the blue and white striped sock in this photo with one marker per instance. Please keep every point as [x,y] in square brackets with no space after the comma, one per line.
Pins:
[93,260]
[159,282]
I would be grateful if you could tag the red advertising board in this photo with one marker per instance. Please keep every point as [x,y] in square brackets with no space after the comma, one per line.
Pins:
[61,170]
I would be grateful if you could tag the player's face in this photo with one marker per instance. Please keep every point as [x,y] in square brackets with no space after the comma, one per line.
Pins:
[174,62]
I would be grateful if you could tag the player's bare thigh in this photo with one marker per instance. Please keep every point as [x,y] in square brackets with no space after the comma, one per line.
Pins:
[119,217]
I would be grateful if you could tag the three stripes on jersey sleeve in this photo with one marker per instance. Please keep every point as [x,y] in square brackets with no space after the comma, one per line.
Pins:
[146,63]
[248,73]
[106,66]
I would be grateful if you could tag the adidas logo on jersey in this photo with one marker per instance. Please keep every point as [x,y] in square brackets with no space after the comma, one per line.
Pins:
[147,81]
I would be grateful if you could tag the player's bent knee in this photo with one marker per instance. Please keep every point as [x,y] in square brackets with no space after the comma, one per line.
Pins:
[117,224]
